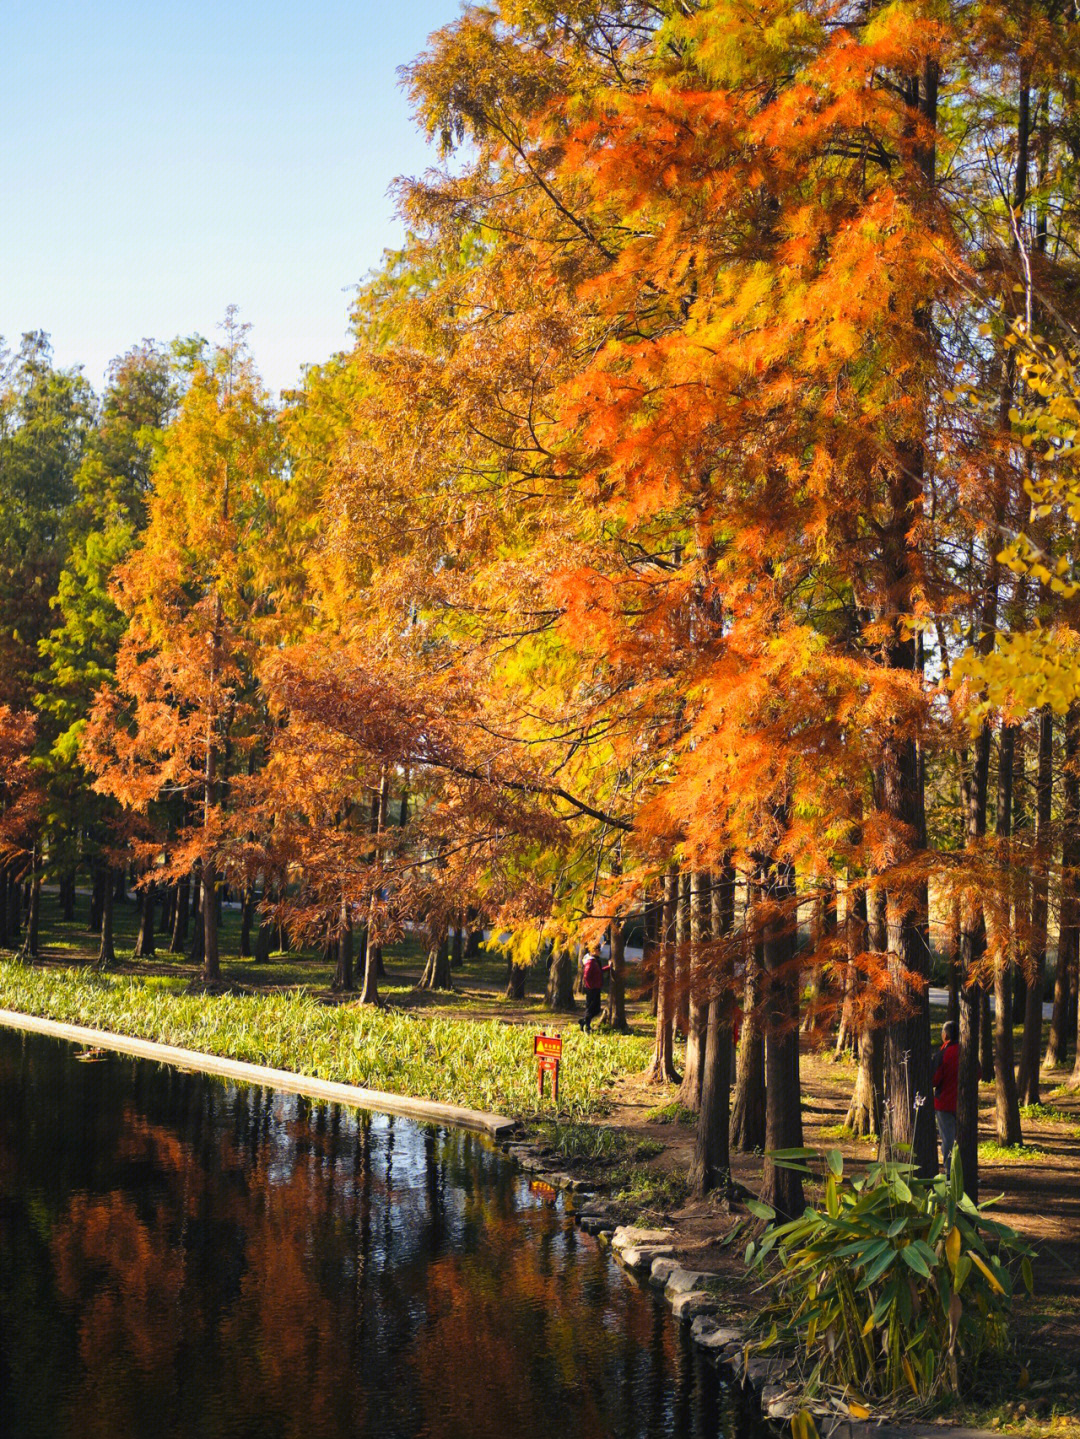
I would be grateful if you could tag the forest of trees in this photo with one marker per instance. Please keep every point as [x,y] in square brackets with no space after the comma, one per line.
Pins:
[683,550]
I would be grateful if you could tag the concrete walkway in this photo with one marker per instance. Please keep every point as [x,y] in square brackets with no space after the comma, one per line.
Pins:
[940,998]
[425,1110]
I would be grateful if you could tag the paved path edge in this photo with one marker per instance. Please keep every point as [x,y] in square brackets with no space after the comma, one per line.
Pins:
[426,1110]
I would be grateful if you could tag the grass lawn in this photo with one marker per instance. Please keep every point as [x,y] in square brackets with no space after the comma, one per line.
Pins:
[471,1047]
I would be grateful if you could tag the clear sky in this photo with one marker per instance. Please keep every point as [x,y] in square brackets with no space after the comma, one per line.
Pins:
[160,161]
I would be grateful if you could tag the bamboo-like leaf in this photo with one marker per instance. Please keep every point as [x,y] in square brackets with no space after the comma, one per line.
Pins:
[1028,1277]
[963,1269]
[991,1278]
[914,1260]
[877,1269]
[760,1210]
[909,1375]
[952,1247]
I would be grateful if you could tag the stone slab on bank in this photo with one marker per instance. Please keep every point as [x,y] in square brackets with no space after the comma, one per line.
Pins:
[426,1110]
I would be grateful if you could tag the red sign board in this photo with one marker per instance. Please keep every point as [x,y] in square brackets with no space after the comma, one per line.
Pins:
[548,1051]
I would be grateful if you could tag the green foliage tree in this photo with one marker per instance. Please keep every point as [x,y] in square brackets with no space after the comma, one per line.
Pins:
[45,418]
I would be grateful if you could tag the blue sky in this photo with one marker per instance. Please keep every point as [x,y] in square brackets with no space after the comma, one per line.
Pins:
[159,162]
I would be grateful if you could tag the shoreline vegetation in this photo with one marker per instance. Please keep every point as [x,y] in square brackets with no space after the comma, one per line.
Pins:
[483,1064]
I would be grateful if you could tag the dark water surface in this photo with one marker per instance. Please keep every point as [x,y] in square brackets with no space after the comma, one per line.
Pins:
[180,1257]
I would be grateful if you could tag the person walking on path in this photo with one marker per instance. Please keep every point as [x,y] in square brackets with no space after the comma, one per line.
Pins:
[592,981]
[945,1076]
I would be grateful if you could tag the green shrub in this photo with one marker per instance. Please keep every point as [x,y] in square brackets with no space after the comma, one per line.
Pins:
[584,1141]
[991,1152]
[673,1113]
[636,1184]
[842,1131]
[597,1142]
[897,1290]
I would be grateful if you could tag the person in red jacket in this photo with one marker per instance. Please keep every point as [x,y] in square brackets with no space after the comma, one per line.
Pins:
[592,981]
[945,1075]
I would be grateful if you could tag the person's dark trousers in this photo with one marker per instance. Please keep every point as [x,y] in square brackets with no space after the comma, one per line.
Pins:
[946,1128]
[594,999]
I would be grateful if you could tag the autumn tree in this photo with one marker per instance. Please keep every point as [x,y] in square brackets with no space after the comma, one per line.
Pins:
[21,802]
[182,710]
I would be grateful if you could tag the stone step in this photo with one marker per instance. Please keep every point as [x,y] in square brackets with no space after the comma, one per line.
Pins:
[694,1303]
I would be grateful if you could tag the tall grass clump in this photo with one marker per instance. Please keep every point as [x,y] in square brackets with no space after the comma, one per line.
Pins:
[897,1291]
[479,1064]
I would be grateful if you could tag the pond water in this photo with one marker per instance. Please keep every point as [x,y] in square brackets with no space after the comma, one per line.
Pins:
[180,1257]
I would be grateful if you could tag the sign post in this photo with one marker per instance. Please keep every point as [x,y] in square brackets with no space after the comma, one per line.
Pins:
[548,1051]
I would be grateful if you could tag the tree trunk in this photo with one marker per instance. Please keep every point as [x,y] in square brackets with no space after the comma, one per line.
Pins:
[476,937]
[972,949]
[868,931]
[748,1107]
[31,945]
[106,951]
[436,973]
[697,1009]
[822,930]
[1031,1047]
[903,788]
[711,1165]
[783,1188]
[97,898]
[1023,832]
[1057,1043]
[1006,1103]
[247,919]
[180,917]
[515,981]
[1071,877]
[560,982]
[616,1008]
[986,1035]
[211,961]
[457,951]
[168,908]
[370,992]
[144,942]
[651,924]
[682,955]
[267,934]
[198,901]
[908,1088]
[343,981]
[1070,858]
[662,1066]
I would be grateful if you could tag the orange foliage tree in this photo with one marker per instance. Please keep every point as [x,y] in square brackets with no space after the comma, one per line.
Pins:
[183,710]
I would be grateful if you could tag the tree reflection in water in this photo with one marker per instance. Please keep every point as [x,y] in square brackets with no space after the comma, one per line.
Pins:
[178,1257]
